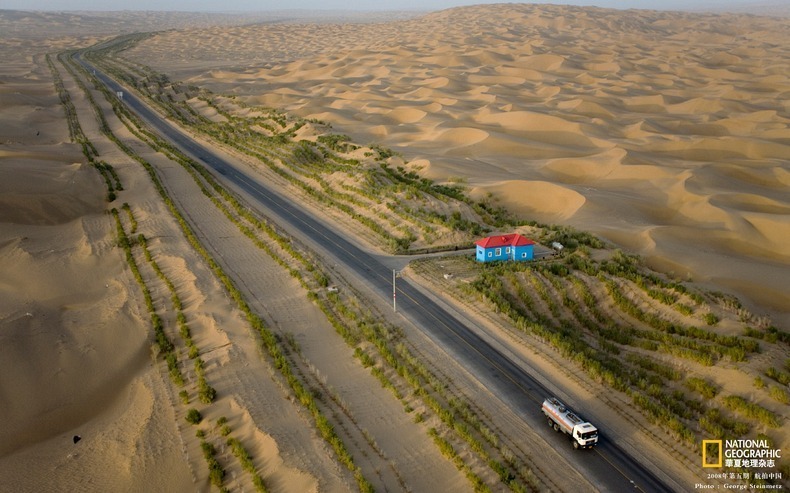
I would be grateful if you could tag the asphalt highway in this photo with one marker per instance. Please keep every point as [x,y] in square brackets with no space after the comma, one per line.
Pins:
[607,465]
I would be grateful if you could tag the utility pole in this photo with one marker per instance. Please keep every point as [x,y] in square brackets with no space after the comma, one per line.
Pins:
[394,308]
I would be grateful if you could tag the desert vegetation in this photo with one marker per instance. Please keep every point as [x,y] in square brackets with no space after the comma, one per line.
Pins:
[626,327]
[205,392]
[164,344]
[374,187]
[107,172]
[392,363]
[634,331]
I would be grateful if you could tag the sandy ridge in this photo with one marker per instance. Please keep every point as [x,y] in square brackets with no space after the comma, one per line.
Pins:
[301,450]
[681,108]
[653,138]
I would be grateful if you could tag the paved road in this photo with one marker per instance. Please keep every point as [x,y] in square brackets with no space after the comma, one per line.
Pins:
[608,466]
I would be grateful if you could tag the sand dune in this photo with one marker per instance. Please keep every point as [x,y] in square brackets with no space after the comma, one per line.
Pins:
[54,229]
[65,306]
[690,110]
[667,133]
[536,197]
[588,168]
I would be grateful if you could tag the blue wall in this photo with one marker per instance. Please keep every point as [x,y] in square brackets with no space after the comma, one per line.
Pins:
[519,253]
[525,252]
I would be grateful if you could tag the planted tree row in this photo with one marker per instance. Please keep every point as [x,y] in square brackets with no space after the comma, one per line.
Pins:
[206,393]
[305,163]
[234,208]
[614,338]
[269,340]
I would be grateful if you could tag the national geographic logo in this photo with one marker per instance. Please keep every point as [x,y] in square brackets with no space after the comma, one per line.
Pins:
[739,453]
[712,453]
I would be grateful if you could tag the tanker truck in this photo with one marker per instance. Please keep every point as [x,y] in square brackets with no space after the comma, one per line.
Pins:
[583,434]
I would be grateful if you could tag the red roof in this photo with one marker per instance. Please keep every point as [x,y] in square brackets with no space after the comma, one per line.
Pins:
[513,239]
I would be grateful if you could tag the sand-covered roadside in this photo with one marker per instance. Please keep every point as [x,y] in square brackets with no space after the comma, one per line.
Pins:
[666,133]
[77,350]
[74,351]
[66,298]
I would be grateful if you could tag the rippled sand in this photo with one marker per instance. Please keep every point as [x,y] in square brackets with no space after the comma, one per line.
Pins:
[665,132]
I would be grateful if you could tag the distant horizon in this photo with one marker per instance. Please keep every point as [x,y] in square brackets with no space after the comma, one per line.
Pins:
[241,6]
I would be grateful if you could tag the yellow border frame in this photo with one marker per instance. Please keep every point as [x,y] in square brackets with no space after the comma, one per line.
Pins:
[705,463]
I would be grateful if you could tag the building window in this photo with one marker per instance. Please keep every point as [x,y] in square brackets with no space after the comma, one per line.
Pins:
[489,254]
[507,249]
[524,255]
[498,252]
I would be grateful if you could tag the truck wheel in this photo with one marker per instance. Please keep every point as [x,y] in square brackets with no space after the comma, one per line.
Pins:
[576,445]
[551,423]
[556,427]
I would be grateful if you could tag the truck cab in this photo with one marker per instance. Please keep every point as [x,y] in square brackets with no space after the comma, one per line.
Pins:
[584,435]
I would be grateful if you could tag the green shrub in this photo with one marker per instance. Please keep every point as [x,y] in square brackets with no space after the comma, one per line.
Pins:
[206,393]
[216,473]
[703,387]
[684,309]
[710,318]
[779,395]
[257,481]
[193,416]
[751,410]
[778,375]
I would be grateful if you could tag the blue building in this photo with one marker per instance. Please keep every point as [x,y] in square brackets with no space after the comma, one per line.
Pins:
[504,247]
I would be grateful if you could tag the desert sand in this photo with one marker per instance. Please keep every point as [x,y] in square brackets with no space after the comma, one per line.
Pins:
[664,132]
[76,353]
[73,349]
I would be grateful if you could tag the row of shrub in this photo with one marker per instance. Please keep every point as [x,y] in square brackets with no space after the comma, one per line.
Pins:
[455,414]
[162,341]
[238,210]
[75,130]
[76,134]
[236,132]
[528,294]
[206,392]
[269,340]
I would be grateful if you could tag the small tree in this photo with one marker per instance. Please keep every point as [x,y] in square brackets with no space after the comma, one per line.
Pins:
[193,416]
